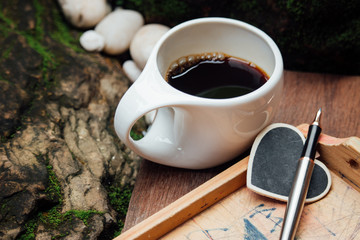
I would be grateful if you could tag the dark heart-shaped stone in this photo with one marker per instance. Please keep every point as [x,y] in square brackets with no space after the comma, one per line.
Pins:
[273,161]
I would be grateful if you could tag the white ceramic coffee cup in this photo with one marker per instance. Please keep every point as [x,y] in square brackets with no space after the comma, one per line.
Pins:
[194,132]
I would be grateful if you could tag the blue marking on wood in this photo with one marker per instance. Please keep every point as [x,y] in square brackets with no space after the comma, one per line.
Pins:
[277,224]
[206,232]
[262,211]
[251,232]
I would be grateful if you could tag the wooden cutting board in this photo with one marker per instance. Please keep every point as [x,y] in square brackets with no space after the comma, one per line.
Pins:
[223,208]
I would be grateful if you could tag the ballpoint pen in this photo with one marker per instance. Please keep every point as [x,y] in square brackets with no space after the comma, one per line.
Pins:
[301,181]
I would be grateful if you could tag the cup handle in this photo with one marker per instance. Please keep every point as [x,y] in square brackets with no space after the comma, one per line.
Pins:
[148,93]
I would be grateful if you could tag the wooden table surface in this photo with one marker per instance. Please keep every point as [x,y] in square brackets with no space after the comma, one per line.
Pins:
[339,96]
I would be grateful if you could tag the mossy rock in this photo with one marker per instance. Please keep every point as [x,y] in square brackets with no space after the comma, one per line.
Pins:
[47,83]
[318,36]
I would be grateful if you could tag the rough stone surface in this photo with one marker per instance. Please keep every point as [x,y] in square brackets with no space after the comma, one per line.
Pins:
[58,151]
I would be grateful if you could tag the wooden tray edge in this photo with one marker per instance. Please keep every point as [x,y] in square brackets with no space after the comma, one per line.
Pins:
[338,154]
[190,204]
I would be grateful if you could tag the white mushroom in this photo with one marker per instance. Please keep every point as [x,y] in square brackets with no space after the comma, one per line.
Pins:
[118,28]
[144,41]
[84,13]
[150,116]
[92,41]
[131,70]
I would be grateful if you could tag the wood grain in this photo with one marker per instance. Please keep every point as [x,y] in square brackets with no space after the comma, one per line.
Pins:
[247,215]
[339,97]
[157,186]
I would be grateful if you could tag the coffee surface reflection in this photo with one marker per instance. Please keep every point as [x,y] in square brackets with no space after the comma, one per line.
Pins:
[215,75]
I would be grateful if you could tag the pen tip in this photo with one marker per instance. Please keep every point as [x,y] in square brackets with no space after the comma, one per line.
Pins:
[318,117]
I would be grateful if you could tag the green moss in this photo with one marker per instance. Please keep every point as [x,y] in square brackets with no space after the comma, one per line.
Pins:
[60,236]
[324,36]
[62,33]
[137,131]
[53,218]
[313,35]
[47,56]
[35,39]
[39,32]
[5,80]
[6,24]
[54,189]
[30,228]
[136,135]
[6,53]
[4,207]
[82,215]
[119,200]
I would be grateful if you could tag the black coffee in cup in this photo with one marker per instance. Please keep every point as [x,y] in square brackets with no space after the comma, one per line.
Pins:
[215,75]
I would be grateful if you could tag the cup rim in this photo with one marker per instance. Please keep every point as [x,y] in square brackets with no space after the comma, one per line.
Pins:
[273,80]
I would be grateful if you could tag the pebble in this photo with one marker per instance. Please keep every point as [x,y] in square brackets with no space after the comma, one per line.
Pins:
[118,28]
[144,41]
[131,70]
[84,13]
[92,41]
